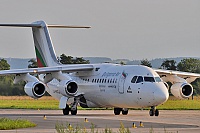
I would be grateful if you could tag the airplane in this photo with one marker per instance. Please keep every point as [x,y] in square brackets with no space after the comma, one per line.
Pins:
[96,85]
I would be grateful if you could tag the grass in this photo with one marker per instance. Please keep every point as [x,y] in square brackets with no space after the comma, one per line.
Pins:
[68,128]
[8,124]
[25,102]
[46,102]
[175,104]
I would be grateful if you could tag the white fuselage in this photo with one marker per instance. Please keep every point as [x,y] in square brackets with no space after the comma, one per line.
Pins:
[111,85]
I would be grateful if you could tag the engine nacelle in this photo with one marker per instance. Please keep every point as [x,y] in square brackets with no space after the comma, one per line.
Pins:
[35,89]
[182,90]
[166,84]
[68,88]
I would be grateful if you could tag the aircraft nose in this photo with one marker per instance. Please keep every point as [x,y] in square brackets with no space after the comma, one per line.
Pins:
[161,95]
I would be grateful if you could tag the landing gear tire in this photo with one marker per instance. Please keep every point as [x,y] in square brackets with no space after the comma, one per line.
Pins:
[156,112]
[66,110]
[124,112]
[151,112]
[73,112]
[117,111]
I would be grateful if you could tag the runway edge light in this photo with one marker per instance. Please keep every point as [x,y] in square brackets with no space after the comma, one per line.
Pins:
[70,127]
[134,126]
[45,117]
[86,120]
[141,124]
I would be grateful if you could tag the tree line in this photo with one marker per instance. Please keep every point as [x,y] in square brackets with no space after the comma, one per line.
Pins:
[7,87]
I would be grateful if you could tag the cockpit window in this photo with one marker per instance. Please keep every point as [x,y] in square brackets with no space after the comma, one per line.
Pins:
[158,79]
[139,79]
[149,79]
[134,79]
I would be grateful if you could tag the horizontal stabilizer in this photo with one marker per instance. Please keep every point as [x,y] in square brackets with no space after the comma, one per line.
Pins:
[21,25]
[64,26]
[39,26]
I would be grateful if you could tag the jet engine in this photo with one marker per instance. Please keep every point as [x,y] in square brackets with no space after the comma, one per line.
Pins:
[35,89]
[182,90]
[68,88]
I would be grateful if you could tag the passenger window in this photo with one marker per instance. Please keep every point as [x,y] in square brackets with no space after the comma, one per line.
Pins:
[149,79]
[158,79]
[134,79]
[139,79]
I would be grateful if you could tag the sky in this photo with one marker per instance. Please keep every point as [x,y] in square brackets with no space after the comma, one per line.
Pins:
[121,29]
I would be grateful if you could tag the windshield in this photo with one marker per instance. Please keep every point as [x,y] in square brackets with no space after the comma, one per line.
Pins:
[134,79]
[139,79]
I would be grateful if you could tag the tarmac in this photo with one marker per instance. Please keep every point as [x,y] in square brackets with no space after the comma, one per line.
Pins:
[137,121]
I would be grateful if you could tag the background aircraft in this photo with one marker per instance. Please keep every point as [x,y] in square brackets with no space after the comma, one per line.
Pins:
[96,85]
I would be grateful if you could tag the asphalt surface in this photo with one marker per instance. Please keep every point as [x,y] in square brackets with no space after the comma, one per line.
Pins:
[167,121]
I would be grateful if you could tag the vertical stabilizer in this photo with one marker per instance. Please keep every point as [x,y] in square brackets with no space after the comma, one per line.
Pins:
[45,53]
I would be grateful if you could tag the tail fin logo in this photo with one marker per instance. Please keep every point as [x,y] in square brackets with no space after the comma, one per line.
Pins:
[40,61]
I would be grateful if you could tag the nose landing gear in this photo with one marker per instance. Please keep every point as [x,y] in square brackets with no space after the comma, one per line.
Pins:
[153,111]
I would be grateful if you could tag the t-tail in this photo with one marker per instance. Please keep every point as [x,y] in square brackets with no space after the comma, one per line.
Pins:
[44,49]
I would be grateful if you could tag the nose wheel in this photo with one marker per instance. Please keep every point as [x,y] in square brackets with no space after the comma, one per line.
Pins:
[153,111]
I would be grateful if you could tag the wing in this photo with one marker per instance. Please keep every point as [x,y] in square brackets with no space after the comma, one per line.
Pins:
[167,74]
[43,70]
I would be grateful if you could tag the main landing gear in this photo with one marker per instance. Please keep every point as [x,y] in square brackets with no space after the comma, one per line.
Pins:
[73,108]
[153,111]
[117,111]
[68,109]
